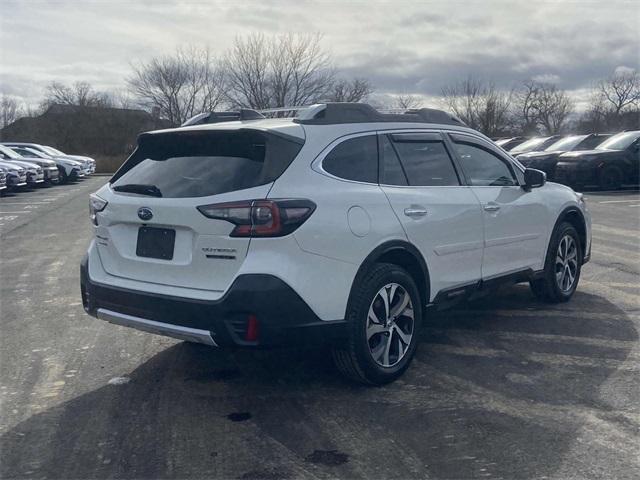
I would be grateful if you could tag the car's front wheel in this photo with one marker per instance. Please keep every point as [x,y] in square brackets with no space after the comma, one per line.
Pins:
[384,317]
[63,177]
[562,266]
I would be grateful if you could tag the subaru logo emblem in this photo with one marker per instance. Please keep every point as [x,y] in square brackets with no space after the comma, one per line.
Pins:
[145,213]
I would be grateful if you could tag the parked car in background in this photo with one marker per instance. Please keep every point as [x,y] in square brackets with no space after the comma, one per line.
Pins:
[16,175]
[509,143]
[85,166]
[534,144]
[89,164]
[49,168]
[614,162]
[547,159]
[35,174]
[69,168]
[3,180]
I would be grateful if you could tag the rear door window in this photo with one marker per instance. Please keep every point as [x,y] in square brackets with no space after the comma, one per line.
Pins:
[425,160]
[354,159]
[392,171]
[204,163]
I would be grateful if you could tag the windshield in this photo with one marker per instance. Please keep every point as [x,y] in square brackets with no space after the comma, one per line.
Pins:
[51,151]
[502,141]
[529,145]
[32,152]
[566,144]
[204,163]
[6,152]
[619,141]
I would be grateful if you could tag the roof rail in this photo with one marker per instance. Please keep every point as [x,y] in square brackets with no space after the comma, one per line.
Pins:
[335,113]
[268,111]
[331,113]
[218,117]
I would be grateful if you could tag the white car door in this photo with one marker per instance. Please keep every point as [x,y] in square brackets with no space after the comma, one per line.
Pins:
[515,219]
[440,216]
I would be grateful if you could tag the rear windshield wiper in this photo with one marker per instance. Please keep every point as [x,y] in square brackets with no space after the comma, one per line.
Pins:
[150,190]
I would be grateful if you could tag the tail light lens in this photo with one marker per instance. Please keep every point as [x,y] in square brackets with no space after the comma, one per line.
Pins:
[261,218]
[96,204]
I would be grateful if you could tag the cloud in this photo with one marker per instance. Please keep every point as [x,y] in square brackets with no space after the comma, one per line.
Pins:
[401,46]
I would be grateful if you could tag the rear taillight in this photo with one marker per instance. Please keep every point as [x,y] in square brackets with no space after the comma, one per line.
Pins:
[96,204]
[261,218]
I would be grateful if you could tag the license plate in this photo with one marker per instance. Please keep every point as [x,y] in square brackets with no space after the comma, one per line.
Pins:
[156,243]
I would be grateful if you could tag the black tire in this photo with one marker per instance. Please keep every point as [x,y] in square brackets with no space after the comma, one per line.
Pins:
[63,178]
[547,287]
[611,178]
[355,359]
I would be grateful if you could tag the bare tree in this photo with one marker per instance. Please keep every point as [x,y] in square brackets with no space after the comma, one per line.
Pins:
[81,94]
[301,70]
[621,90]
[179,86]
[614,103]
[247,68]
[10,111]
[552,108]
[354,90]
[406,101]
[596,117]
[525,99]
[286,70]
[540,105]
[122,99]
[480,105]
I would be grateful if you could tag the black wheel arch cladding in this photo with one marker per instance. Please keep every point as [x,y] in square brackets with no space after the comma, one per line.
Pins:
[404,255]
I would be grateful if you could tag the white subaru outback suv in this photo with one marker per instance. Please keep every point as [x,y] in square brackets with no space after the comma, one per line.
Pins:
[340,226]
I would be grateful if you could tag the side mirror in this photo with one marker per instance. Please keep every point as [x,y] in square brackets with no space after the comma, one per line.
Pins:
[534,178]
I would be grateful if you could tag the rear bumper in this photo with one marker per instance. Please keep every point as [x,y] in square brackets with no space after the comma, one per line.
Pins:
[283,317]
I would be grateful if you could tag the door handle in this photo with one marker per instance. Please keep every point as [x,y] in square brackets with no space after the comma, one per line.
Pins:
[415,211]
[491,208]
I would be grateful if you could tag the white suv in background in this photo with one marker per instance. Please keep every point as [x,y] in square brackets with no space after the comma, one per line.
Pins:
[341,225]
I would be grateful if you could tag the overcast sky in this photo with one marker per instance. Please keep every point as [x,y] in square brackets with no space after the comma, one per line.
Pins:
[402,47]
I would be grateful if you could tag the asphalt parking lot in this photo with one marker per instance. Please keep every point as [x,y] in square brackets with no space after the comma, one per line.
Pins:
[504,387]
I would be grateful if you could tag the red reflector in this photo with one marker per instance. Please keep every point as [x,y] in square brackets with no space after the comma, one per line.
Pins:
[252,329]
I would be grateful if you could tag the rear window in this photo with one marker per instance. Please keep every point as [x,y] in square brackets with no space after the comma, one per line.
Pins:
[204,163]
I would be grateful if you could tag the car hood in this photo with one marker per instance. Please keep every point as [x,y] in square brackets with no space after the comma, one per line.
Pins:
[534,155]
[43,162]
[11,166]
[81,157]
[70,160]
[582,154]
[24,164]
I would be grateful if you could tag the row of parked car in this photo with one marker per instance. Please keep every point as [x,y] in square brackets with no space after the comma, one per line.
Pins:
[27,165]
[604,160]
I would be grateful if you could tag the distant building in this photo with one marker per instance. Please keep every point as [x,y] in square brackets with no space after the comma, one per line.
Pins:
[94,131]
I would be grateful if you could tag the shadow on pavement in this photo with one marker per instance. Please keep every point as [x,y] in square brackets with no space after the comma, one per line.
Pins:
[498,388]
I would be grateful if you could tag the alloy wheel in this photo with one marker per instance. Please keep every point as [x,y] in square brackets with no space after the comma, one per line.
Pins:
[566,263]
[390,325]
